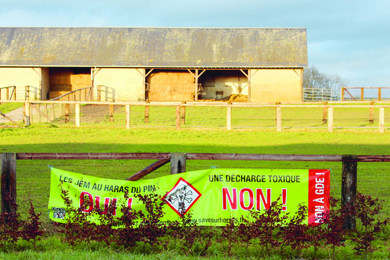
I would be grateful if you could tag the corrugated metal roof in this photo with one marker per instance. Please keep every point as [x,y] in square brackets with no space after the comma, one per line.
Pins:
[153,47]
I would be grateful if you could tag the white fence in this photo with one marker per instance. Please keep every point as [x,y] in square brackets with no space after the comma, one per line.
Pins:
[319,94]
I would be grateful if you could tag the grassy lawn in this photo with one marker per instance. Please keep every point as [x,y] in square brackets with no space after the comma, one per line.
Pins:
[53,248]
[33,175]
[8,107]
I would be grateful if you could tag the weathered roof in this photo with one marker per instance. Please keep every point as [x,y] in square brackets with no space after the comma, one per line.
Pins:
[153,47]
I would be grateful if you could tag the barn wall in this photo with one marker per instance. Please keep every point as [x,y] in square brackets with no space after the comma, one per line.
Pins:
[276,85]
[21,77]
[121,84]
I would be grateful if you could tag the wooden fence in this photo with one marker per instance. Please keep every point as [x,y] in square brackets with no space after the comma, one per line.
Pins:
[76,95]
[8,92]
[345,90]
[180,114]
[178,164]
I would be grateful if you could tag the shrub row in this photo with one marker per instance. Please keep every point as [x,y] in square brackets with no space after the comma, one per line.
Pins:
[271,232]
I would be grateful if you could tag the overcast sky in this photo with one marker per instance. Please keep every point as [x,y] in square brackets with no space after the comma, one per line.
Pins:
[345,38]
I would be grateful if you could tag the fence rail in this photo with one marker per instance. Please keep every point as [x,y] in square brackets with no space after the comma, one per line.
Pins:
[76,95]
[178,164]
[320,94]
[276,115]
[10,93]
[345,90]
[200,156]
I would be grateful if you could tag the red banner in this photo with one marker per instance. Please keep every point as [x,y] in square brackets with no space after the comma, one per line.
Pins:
[319,192]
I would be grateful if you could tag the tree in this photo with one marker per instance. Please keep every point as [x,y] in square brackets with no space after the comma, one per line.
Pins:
[320,83]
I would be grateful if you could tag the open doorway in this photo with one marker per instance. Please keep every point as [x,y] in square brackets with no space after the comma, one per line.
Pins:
[170,85]
[63,80]
[223,85]
[213,85]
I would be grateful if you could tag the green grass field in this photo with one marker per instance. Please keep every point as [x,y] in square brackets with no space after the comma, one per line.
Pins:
[255,118]
[33,175]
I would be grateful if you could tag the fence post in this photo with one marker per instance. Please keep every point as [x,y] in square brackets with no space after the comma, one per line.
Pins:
[379,94]
[67,112]
[178,162]
[27,114]
[111,116]
[14,92]
[330,119]
[371,119]
[99,93]
[53,112]
[77,115]
[325,112]
[362,94]
[183,114]
[31,113]
[127,116]
[381,120]
[342,94]
[177,117]
[146,114]
[8,181]
[47,113]
[349,187]
[229,118]
[278,119]
[27,93]
[39,112]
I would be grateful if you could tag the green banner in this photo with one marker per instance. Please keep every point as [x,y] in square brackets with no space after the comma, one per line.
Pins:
[213,196]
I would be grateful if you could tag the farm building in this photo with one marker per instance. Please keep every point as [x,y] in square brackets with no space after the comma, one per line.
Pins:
[155,64]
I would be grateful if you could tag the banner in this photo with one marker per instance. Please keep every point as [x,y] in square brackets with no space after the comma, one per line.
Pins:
[213,196]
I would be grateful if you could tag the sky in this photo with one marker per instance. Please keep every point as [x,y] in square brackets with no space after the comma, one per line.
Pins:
[349,39]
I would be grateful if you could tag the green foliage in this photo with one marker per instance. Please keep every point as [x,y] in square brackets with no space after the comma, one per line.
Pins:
[268,233]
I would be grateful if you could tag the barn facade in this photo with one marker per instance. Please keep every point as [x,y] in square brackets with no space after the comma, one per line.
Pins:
[155,64]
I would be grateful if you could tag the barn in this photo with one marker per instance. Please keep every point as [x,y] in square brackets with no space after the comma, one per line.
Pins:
[155,64]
